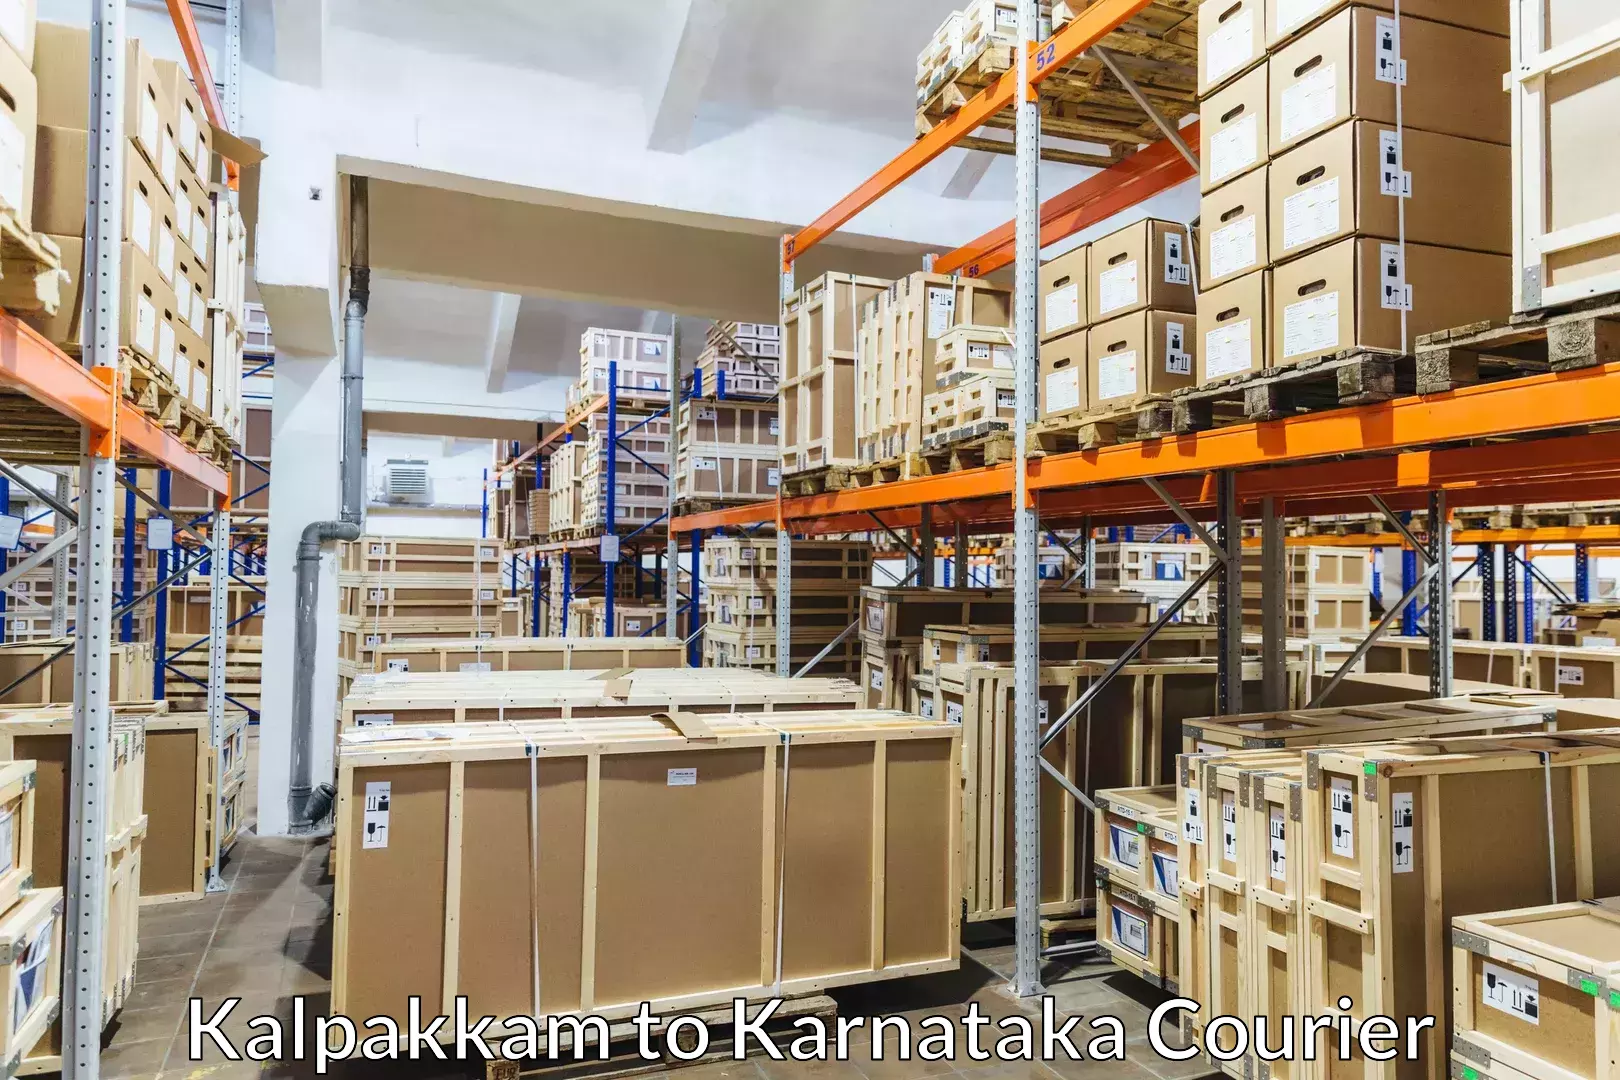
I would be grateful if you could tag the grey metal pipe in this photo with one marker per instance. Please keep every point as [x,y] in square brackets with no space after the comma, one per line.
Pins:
[306,805]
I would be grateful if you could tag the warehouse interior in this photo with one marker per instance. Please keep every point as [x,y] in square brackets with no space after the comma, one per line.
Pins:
[1056,538]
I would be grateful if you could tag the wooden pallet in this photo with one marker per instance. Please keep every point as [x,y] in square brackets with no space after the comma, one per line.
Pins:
[31,276]
[818,481]
[1568,339]
[988,442]
[1350,377]
[1090,429]
[1158,48]
[905,467]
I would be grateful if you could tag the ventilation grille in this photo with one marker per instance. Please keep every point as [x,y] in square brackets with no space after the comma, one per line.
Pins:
[405,480]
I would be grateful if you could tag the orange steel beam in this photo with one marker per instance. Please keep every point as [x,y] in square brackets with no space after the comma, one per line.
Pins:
[1090,27]
[39,369]
[185,28]
[1139,177]
[137,431]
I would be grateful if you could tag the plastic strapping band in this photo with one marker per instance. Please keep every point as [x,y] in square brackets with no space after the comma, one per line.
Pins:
[532,753]
[1552,842]
[781,857]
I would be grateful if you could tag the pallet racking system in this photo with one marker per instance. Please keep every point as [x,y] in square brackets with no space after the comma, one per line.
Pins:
[1525,440]
[67,411]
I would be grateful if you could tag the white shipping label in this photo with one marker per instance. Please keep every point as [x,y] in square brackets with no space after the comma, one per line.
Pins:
[1177,360]
[474,667]
[1311,214]
[706,464]
[1341,818]
[8,844]
[1116,375]
[486,553]
[926,708]
[378,719]
[953,712]
[1131,931]
[486,594]
[1166,873]
[199,239]
[1230,47]
[706,414]
[149,122]
[1229,349]
[401,664]
[1118,287]
[1177,270]
[146,321]
[1234,248]
[1043,712]
[199,313]
[1279,845]
[1402,830]
[183,215]
[1002,356]
[1393,291]
[1310,102]
[775,426]
[773,477]
[140,224]
[165,251]
[1292,13]
[1571,676]
[165,350]
[682,778]
[1193,825]
[632,626]
[1513,993]
[375,820]
[1063,308]
[14,177]
[756,603]
[190,141]
[1311,326]
[941,311]
[1125,846]
[379,595]
[1591,641]
[1063,390]
[1393,179]
[754,652]
[168,159]
[1229,826]
[979,350]
[1389,67]
[14,23]
[877,678]
[1006,399]
[1234,149]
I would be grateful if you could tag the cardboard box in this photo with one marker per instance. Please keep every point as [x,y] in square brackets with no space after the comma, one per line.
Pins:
[167,241]
[18,118]
[1231,40]
[192,214]
[61,167]
[1235,135]
[17,18]
[62,65]
[1142,354]
[1335,185]
[1234,236]
[1232,322]
[1146,265]
[193,137]
[191,293]
[1331,300]
[1339,71]
[145,297]
[1065,384]
[1288,18]
[192,366]
[1065,306]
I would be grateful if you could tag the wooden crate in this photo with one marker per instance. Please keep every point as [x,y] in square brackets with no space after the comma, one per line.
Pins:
[1138,842]
[722,371]
[476,697]
[129,677]
[642,359]
[191,607]
[888,674]
[819,390]
[859,844]
[976,406]
[1536,992]
[422,555]
[729,647]
[180,802]
[966,350]
[244,672]
[358,637]
[1138,935]
[899,615]
[727,473]
[1300,728]
[1503,662]
[527,654]
[1387,686]
[752,608]
[818,565]
[17,817]
[986,644]
[1575,672]
[538,510]
[564,503]
[1328,591]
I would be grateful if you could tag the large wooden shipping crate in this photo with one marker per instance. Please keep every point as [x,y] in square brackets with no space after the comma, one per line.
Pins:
[1343,725]
[31,981]
[729,451]
[819,387]
[1328,591]
[1574,671]
[421,555]
[43,672]
[1506,663]
[180,802]
[1137,853]
[528,654]
[817,851]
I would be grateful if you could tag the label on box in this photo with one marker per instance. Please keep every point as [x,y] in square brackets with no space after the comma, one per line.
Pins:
[1177,270]
[190,140]
[1311,326]
[1193,825]
[1341,819]
[773,477]
[1389,67]
[925,707]
[953,712]
[1002,356]
[775,426]
[165,350]
[979,350]
[165,251]
[1234,248]
[681,778]
[1229,826]
[150,123]
[168,159]
[1515,994]
[1311,214]
[14,23]
[1310,103]
[1293,13]
[632,626]
[652,348]
[1166,873]
[486,594]
[146,322]
[877,678]
[1130,931]
[1117,287]
[754,652]
[1229,48]
[1394,293]
[401,664]
[1571,676]
[182,372]
[1177,360]
[1592,641]
[1392,178]
[941,311]
[374,832]
[1125,846]
[1279,845]
[199,314]
[1234,149]
[706,414]
[1402,831]
[1229,349]
[183,215]
[1063,307]
[474,667]
[199,238]
[140,225]
[706,464]
[1116,375]
[1008,399]
[1063,390]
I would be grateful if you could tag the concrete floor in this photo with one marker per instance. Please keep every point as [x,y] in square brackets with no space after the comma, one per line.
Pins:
[268,939]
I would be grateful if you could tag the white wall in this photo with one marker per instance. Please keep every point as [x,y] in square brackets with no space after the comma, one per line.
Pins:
[456,470]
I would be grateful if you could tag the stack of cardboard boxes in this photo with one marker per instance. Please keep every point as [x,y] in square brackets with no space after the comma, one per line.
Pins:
[1116,321]
[1305,176]
[167,214]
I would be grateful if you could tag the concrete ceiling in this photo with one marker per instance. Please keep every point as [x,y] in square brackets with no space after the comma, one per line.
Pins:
[546,340]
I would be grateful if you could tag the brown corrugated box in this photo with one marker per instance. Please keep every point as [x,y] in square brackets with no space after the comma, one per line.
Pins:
[1234,135]
[1232,322]
[191,293]
[193,136]
[1331,300]
[60,171]
[1287,18]
[1334,186]
[145,296]
[1064,305]
[1145,353]
[1064,384]
[62,65]
[191,215]
[1233,234]
[1231,39]
[18,117]
[191,365]
[1453,82]
[1145,265]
